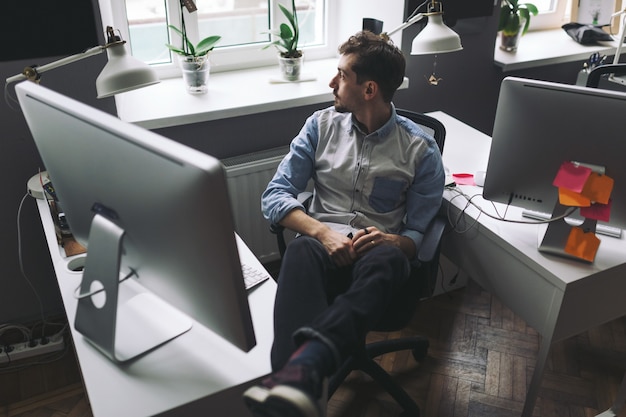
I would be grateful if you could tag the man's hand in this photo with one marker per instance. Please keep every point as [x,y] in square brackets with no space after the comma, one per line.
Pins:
[339,247]
[370,237]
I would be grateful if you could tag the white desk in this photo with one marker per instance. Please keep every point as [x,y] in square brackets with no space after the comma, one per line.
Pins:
[198,373]
[557,297]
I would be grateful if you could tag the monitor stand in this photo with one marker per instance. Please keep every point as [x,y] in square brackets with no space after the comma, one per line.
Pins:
[122,329]
[557,233]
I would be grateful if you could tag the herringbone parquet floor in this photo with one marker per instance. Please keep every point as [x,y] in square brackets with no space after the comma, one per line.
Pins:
[480,360]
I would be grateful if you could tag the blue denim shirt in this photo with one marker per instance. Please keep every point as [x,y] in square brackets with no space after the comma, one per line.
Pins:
[392,178]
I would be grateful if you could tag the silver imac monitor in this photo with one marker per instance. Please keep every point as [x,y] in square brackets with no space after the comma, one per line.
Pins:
[147,208]
[538,126]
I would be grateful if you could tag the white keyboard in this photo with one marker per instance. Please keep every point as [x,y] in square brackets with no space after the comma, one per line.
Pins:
[600,228]
[253,276]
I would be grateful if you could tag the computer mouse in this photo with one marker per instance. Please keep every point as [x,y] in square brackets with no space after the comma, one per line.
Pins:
[479,178]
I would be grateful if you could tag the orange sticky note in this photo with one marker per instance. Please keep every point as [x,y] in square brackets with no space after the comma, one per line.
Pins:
[571,176]
[597,211]
[570,198]
[598,188]
[582,244]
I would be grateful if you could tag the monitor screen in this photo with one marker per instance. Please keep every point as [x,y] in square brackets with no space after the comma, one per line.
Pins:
[146,207]
[539,126]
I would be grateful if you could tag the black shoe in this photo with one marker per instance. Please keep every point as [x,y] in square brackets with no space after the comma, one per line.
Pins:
[294,391]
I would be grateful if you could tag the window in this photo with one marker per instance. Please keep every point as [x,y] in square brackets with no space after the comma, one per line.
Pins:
[552,14]
[242,24]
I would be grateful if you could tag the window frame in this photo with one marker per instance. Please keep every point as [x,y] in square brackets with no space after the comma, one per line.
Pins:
[552,20]
[228,58]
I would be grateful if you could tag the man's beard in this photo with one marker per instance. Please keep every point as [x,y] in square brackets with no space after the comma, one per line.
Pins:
[340,107]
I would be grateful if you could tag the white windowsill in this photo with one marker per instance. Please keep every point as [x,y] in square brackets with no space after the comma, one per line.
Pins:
[547,47]
[231,94]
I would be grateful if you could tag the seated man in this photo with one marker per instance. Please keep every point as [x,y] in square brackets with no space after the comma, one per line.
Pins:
[378,182]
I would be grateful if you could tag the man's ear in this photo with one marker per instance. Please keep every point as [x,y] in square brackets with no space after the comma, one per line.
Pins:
[371,89]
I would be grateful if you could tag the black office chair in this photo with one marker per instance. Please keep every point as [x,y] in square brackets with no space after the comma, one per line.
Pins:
[404,306]
[594,77]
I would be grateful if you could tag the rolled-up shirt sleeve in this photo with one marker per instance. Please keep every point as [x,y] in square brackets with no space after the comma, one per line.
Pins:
[424,196]
[292,175]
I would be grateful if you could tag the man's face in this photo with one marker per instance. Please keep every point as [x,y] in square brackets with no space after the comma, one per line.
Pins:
[348,94]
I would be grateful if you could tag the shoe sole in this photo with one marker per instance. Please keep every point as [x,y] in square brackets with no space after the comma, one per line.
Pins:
[280,401]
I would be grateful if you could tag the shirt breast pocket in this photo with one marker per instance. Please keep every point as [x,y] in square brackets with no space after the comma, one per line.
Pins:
[387,194]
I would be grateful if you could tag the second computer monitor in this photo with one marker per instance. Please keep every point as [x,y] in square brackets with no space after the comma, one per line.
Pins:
[538,126]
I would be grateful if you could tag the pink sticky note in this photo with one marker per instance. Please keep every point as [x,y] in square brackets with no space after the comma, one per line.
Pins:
[571,176]
[597,211]
[464,179]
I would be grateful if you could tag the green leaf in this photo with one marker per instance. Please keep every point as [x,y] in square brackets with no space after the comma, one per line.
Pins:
[532,8]
[524,14]
[175,49]
[512,25]
[512,13]
[207,44]
[504,18]
[285,31]
[202,48]
[175,29]
[290,17]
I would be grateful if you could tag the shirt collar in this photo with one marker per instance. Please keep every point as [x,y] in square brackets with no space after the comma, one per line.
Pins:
[383,131]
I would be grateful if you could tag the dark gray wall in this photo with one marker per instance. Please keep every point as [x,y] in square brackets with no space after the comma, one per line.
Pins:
[468,91]
[19,161]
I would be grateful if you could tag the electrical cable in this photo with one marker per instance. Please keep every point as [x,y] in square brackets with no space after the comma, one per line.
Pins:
[91,293]
[498,216]
[416,9]
[21,264]
[10,101]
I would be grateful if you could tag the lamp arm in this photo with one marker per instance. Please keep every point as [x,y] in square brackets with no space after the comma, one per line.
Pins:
[408,23]
[29,71]
[622,33]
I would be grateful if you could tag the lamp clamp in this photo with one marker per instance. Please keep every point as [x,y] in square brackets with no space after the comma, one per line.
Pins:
[113,39]
[32,74]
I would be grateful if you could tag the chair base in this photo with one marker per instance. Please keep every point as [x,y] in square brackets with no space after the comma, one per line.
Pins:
[364,361]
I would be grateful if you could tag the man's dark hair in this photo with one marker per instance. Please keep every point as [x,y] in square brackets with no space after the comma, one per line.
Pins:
[377,60]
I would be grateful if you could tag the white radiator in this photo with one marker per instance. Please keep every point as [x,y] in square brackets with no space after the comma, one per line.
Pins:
[247,177]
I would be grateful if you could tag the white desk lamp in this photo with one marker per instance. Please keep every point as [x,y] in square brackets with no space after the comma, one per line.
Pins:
[121,73]
[436,37]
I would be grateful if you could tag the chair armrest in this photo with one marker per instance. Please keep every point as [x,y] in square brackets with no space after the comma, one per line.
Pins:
[432,238]
[305,199]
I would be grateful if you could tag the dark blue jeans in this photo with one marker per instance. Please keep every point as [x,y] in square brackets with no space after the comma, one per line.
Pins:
[315,298]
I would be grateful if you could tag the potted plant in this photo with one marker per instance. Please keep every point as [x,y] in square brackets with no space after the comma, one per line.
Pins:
[287,37]
[193,59]
[514,22]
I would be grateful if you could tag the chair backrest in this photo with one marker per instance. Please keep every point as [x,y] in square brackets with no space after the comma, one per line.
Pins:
[617,70]
[430,125]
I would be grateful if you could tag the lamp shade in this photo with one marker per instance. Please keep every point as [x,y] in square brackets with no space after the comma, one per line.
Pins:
[123,73]
[436,38]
